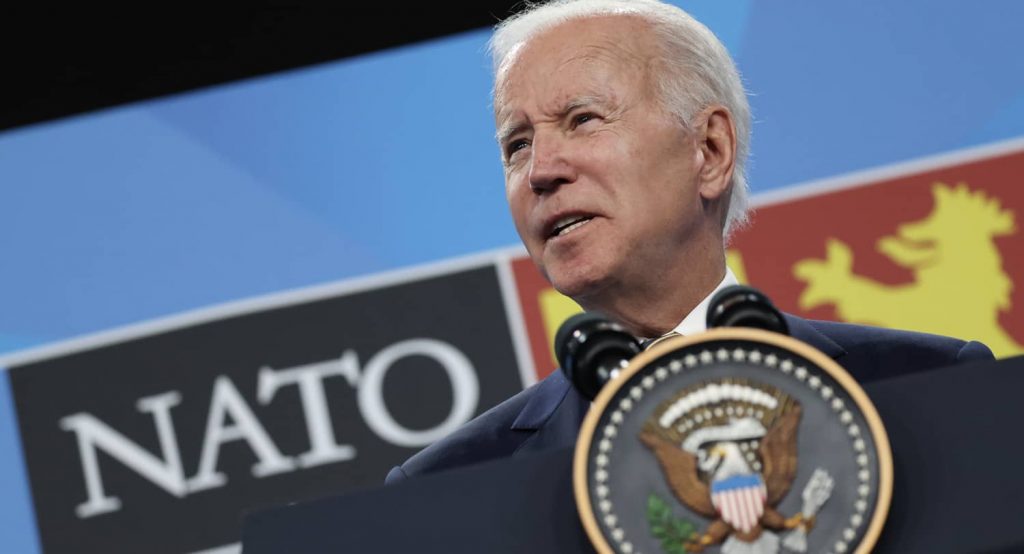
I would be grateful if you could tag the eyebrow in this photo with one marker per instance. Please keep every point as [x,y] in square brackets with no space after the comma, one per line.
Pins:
[508,132]
[505,132]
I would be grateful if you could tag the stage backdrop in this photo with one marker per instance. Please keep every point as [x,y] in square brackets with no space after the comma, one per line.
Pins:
[276,289]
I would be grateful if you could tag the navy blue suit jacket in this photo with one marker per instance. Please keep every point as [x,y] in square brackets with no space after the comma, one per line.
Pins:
[549,414]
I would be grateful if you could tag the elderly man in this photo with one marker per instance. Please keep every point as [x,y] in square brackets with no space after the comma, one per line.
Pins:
[623,128]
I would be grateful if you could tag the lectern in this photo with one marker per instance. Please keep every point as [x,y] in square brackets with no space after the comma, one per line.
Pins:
[958,458]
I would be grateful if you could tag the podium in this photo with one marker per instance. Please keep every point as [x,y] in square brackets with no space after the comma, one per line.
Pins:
[958,452]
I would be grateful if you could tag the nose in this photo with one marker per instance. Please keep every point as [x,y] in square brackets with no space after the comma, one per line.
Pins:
[550,166]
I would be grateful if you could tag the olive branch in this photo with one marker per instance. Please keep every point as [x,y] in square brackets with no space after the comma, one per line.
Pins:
[673,532]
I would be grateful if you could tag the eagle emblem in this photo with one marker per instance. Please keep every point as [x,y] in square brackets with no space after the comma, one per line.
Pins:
[728,450]
[737,441]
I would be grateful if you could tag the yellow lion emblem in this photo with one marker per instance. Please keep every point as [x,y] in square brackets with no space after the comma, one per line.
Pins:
[959,284]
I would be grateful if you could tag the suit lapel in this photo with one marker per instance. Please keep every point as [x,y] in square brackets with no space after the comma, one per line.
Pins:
[553,415]
[802,330]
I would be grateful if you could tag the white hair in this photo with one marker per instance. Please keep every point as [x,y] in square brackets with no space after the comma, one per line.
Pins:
[699,71]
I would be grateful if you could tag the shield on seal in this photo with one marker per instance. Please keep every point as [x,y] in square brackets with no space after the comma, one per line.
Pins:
[740,500]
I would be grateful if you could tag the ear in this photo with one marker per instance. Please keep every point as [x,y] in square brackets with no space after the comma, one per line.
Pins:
[718,145]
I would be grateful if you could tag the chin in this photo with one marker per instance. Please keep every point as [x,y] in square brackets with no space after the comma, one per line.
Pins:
[577,282]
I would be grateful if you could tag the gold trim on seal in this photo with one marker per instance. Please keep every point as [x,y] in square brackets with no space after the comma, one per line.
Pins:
[663,347]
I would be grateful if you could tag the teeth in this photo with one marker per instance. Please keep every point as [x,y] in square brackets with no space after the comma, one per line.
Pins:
[567,220]
[569,223]
[573,226]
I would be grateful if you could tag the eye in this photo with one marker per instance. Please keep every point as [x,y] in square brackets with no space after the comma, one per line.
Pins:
[581,118]
[515,146]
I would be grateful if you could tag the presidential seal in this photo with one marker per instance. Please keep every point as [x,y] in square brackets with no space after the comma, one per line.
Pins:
[735,441]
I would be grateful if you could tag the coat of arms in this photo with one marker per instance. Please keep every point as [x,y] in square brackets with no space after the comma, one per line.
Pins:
[737,441]
[728,451]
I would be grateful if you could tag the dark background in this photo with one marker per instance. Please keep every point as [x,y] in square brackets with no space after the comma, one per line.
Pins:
[62,60]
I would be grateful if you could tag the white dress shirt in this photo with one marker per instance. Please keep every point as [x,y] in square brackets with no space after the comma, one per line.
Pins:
[697,320]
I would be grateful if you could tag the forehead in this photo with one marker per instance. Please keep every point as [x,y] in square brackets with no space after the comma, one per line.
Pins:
[579,56]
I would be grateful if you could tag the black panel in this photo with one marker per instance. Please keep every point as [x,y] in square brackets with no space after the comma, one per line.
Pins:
[59,61]
[463,310]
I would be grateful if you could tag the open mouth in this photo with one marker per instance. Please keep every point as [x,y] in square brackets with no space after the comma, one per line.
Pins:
[569,224]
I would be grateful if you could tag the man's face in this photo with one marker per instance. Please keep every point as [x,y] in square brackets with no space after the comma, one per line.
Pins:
[601,181]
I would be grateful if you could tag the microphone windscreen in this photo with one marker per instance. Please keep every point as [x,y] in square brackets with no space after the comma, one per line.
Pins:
[576,322]
[744,306]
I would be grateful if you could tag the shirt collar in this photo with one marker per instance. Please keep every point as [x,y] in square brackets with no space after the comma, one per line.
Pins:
[696,321]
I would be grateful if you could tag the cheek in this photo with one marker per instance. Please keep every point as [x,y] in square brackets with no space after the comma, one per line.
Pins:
[612,161]
[518,197]
[611,144]
[622,151]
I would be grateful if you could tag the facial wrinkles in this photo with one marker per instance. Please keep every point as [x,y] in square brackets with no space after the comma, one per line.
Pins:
[600,65]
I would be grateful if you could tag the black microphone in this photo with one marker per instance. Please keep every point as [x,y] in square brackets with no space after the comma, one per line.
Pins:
[592,349]
[743,306]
